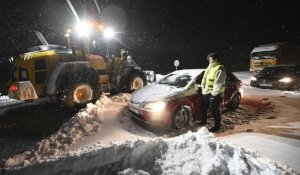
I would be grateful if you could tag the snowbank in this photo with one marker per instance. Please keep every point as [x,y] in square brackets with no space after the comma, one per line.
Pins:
[3,97]
[124,97]
[200,153]
[191,153]
[281,149]
[86,122]
[5,101]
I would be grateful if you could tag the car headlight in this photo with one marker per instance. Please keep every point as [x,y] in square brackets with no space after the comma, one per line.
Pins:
[253,78]
[155,106]
[285,80]
[241,90]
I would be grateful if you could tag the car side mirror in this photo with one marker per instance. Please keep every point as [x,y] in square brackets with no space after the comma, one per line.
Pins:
[193,85]
[199,89]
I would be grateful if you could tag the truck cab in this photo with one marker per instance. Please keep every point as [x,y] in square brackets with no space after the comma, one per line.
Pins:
[263,56]
[272,54]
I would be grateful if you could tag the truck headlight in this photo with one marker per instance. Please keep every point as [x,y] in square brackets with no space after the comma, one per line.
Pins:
[156,106]
[286,80]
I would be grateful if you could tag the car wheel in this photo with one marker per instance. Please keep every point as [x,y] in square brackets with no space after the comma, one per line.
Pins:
[234,101]
[181,117]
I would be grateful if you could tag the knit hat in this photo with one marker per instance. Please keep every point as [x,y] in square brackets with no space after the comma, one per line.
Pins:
[214,55]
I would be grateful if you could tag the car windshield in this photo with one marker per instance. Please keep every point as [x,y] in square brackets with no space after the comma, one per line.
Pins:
[178,80]
[278,70]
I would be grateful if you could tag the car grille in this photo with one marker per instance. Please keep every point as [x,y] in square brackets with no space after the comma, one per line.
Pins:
[135,102]
[136,116]
[265,81]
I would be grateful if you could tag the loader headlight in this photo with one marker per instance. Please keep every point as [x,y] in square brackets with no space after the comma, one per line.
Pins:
[286,80]
[83,28]
[109,33]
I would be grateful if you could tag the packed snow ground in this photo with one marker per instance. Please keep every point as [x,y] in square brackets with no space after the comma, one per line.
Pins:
[253,91]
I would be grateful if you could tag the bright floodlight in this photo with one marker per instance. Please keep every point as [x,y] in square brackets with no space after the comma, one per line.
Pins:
[109,33]
[83,29]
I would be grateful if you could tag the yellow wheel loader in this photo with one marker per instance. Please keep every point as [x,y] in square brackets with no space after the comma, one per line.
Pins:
[69,77]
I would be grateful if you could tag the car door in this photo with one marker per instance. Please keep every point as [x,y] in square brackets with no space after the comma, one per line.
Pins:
[197,97]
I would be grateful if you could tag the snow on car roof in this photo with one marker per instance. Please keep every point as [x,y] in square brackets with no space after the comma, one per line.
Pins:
[265,48]
[192,72]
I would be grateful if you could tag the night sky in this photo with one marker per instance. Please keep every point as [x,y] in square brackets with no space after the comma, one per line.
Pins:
[156,32]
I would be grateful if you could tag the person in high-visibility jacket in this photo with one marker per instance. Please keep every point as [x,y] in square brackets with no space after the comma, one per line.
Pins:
[213,87]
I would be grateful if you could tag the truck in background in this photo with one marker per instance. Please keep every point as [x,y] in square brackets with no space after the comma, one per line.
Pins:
[272,54]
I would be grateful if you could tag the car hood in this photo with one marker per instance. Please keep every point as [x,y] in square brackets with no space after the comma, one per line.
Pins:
[156,92]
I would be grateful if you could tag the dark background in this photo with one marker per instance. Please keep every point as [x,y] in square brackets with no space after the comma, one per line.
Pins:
[156,32]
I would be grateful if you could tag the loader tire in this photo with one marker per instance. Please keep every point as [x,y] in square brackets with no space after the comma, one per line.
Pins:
[135,81]
[77,93]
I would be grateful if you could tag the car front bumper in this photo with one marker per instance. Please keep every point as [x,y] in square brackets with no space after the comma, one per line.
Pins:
[161,120]
[272,85]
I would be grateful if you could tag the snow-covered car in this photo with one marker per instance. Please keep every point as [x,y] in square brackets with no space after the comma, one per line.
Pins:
[174,101]
[285,77]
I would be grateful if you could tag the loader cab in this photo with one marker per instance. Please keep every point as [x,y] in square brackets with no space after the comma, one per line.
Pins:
[37,66]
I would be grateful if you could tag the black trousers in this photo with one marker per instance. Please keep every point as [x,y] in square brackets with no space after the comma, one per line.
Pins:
[214,103]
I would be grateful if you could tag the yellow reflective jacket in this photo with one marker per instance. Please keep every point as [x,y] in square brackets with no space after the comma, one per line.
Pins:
[210,76]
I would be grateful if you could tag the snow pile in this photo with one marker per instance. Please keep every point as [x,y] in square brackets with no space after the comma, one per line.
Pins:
[84,123]
[124,97]
[2,97]
[200,153]
[191,153]
[5,101]
[130,171]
